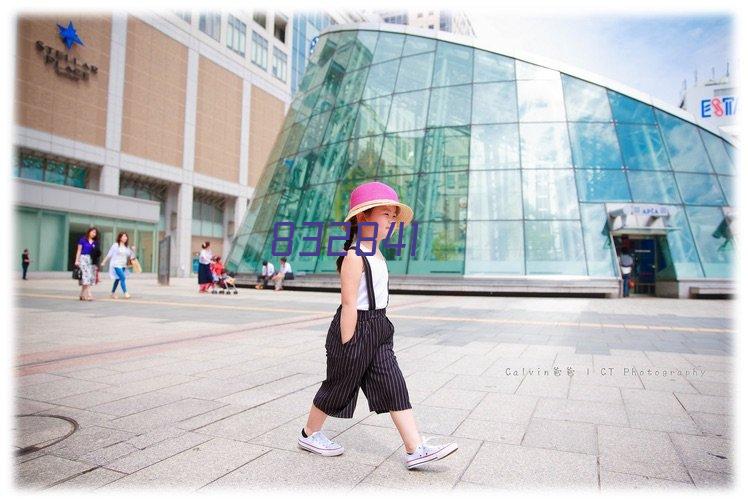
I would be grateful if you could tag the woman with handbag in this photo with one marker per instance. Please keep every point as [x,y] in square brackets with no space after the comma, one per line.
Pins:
[120,255]
[87,245]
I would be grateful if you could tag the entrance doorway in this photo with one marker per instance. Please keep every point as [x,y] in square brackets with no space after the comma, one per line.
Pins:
[643,249]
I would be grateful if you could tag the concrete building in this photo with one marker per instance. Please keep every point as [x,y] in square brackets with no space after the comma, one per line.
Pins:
[157,124]
[714,102]
[456,22]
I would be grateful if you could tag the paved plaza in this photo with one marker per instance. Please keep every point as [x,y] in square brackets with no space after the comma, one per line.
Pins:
[175,389]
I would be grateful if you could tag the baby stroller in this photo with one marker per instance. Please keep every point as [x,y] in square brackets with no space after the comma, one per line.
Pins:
[224,284]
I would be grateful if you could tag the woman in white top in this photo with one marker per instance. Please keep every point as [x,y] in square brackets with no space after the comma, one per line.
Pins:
[119,254]
[285,272]
[204,275]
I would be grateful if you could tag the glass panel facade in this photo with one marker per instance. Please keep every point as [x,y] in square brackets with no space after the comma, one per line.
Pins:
[545,146]
[495,102]
[508,165]
[594,145]
[540,101]
[494,147]
[549,194]
[585,101]
[454,65]
[687,152]
[713,241]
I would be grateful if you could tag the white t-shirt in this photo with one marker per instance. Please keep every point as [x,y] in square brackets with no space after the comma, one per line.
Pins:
[205,256]
[380,277]
[268,270]
[285,268]
[120,254]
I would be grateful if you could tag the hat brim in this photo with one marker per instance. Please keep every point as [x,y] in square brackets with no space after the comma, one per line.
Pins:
[405,215]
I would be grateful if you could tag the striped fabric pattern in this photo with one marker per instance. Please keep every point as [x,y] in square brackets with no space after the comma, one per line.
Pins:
[367,361]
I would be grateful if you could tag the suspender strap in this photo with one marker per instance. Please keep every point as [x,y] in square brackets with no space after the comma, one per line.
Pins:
[369,283]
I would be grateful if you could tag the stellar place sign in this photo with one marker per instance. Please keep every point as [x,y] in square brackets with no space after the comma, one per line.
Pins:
[63,63]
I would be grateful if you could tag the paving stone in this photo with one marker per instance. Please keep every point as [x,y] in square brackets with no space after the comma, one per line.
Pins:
[368,444]
[505,408]
[292,470]
[545,386]
[440,475]
[434,420]
[520,467]
[594,393]
[45,471]
[668,423]
[566,436]
[705,403]
[639,452]
[90,480]
[165,414]
[711,480]
[717,425]
[704,453]
[578,410]
[135,404]
[653,402]
[454,399]
[51,390]
[154,453]
[194,467]
[491,431]
[86,440]
[614,480]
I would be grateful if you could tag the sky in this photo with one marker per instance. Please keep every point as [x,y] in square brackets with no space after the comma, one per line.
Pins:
[653,53]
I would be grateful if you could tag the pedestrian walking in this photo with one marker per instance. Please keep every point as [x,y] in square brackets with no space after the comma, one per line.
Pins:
[118,257]
[25,261]
[359,343]
[204,274]
[88,246]
[627,262]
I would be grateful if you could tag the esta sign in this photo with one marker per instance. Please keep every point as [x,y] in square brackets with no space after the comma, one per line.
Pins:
[718,106]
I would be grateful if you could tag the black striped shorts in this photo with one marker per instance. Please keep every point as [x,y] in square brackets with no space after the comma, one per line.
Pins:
[366,361]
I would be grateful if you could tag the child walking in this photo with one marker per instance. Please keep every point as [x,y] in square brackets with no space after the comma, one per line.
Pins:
[359,342]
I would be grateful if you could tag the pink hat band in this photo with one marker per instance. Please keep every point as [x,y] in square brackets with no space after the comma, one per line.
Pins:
[371,194]
[372,191]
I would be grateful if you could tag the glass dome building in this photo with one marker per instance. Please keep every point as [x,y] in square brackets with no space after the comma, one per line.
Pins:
[523,174]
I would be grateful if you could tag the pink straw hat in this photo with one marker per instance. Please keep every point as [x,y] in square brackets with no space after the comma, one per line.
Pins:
[371,194]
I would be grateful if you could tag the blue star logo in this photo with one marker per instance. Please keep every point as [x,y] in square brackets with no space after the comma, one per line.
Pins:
[69,35]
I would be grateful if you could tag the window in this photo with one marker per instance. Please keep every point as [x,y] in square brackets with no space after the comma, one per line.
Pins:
[279,27]
[492,67]
[38,167]
[207,216]
[642,147]
[450,106]
[494,147]
[545,146]
[687,152]
[236,36]
[594,145]
[259,51]
[553,247]
[280,64]
[210,24]
[495,195]
[549,194]
[260,18]
[415,72]
[600,185]
[700,189]
[494,103]
[495,248]
[584,101]
[184,15]
[540,101]
[381,79]
[408,111]
[653,187]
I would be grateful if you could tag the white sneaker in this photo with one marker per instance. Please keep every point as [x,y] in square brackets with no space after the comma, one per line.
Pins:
[425,453]
[318,443]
